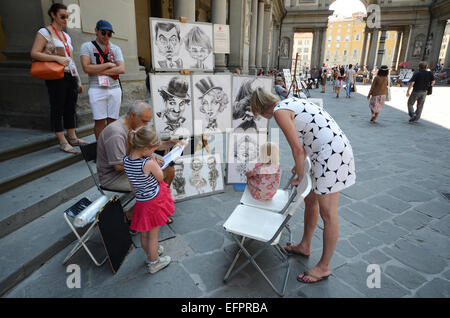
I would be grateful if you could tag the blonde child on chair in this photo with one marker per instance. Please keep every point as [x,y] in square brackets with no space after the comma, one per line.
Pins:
[263,181]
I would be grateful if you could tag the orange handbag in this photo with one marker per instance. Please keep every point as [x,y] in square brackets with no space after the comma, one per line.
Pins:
[47,70]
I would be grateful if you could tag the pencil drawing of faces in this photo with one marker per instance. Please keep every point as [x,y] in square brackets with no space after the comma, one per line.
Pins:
[247,150]
[213,101]
[176,99]
[213,172]
[196,180]
[168,41]
[179,181]
[199,46]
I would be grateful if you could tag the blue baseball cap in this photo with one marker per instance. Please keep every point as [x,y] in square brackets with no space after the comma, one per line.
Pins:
[104,25]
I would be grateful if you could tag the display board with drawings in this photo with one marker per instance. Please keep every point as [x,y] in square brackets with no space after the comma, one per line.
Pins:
[181,46]
[197,176]
[211,103]
[172,104]
[243,88]
[243,154]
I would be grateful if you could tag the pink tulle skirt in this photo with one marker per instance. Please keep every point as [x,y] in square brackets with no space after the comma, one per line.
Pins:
[153,213]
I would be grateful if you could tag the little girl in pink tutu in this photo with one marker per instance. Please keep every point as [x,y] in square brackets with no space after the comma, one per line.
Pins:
[154,203]
[263,181]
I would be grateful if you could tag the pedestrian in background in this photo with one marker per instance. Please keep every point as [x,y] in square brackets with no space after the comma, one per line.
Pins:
[52,44]
[421,82]
[378,92]
[350,76]
[103,62]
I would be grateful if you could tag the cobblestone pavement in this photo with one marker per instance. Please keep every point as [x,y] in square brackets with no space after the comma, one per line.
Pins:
[395,216]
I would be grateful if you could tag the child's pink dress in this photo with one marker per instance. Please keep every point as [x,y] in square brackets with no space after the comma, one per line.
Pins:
[265,184]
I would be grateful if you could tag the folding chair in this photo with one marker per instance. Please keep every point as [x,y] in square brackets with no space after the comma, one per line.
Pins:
[279,200]
[256,223]
[89,153]
[84,216]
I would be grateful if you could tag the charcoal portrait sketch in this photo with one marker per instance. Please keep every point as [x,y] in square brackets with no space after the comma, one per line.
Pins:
[243,154]
[243,88]
[212,102]
[197,176]
[171,97]
[177,46]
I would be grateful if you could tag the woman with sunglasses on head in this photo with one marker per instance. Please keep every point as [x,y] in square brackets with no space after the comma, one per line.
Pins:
[52,44]
[103,62]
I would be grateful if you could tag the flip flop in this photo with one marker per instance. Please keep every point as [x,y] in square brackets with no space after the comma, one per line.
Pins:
[306,273]
[77,142]
[66,147]
[293,252]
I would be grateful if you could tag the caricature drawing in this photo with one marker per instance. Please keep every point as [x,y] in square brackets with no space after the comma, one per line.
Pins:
[213,101]
[196,180]
[198,44]
[241,107]
[179,181]
[176,98]
[213,173]
[168,41]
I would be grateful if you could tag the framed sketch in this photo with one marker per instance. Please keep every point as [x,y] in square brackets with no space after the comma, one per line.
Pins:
[211,103]
[243,88]
[243,154]
[178,46]
[197,176]
[172,104]
[317,101]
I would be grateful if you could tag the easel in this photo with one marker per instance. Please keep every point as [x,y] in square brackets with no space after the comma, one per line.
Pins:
[294,84]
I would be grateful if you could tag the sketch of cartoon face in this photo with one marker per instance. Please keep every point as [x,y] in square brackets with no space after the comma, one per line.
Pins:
[198,53]
[211,163]
[247,150]
[196,164]
[179,167]
[213,103]
[175,108]
[168,40]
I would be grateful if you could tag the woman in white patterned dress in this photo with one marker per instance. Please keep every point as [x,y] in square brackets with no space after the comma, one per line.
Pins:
[311,131]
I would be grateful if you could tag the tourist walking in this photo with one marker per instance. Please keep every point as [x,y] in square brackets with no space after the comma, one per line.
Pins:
[103,62]
[350,77]
[311,131]
[421,83]
[154,203]
[378,92]
[52,44]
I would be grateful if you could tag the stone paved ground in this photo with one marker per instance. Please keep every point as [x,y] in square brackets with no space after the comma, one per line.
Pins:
[394,216]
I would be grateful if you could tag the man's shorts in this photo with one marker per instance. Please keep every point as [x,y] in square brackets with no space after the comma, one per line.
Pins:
[105,102]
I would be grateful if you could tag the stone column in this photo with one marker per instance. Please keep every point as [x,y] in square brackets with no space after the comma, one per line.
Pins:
[372,49]
[219,16]
[396,51]
[260,36]
[323,35]
[437,30]
[267,36]
[381,47]
[315,48]
[447,56]
[253,37]
[364,48]
[237,26]
[405,44]
[184,8]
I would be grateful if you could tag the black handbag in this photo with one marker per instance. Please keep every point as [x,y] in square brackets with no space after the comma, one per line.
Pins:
[430,90]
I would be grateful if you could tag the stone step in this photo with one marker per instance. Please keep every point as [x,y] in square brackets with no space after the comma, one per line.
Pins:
[33,199]
[31,246]
[26,168]
[16,142]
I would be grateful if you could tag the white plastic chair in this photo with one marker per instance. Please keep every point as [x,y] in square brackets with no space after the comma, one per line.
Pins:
[263,225]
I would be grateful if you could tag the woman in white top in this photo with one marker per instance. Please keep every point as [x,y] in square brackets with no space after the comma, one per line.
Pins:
[311,131]
[52,44]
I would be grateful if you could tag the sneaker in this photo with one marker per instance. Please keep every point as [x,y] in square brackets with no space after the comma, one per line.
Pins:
[162,263]
[413,118]
[160,252]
